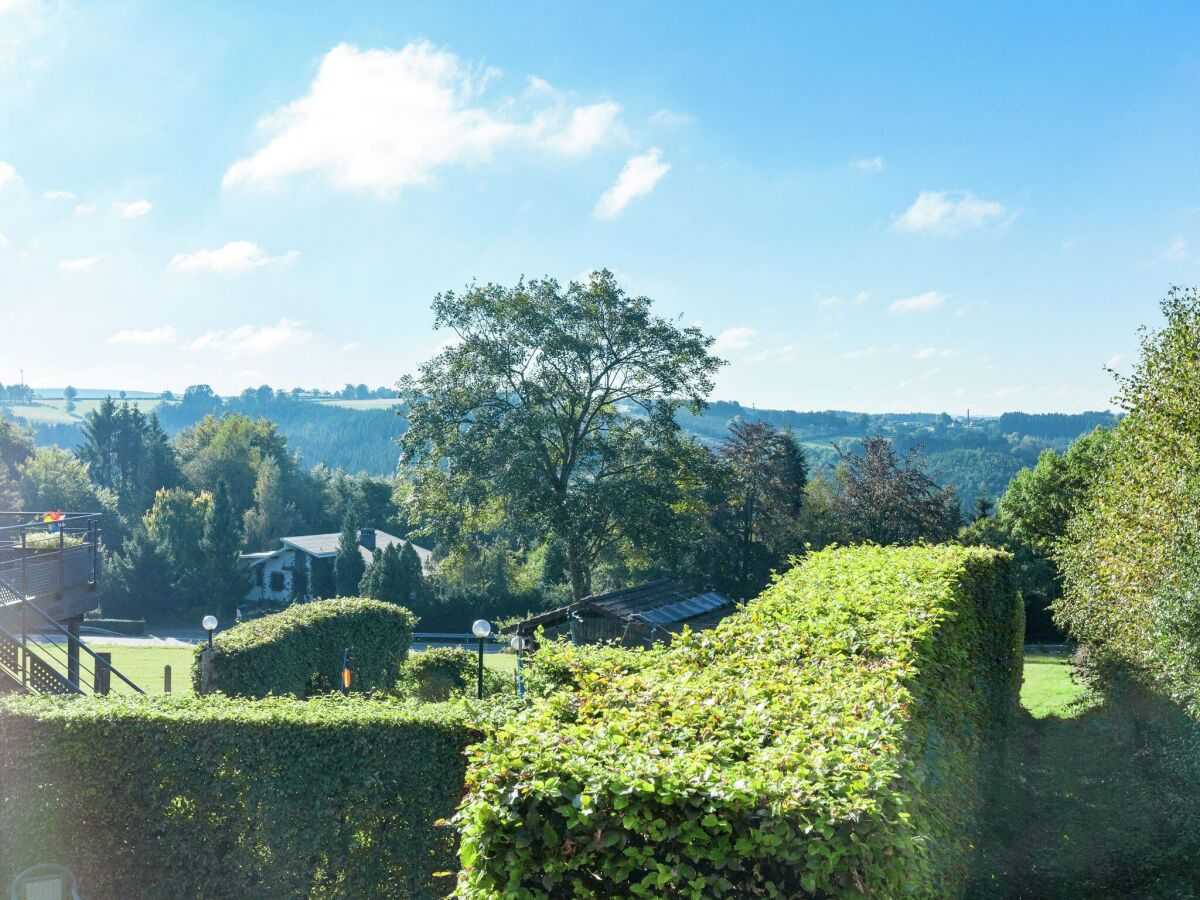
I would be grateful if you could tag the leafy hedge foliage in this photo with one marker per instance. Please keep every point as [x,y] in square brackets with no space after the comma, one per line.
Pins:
[1131,586]
[218,797]
[824,741]
[442,673]
[299,651]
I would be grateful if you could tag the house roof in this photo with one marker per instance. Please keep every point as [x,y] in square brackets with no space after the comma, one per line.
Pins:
[662,602]
[326,545]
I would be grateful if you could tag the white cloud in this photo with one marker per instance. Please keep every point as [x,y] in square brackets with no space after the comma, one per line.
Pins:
[735,339]
[946,213]
[134,209]
[233,258]
[249,340]
[774,354]
[671,119]
[861,353]
[83,264]
[919,303]
[58,195]
[932,352]
[380,120]
[8,175]
[638,178]
[1113,361]
[3,242]
[871,165]
[1175,251]
[149,337]
[351,346]
[85,209]
[1002,393]
[588,127]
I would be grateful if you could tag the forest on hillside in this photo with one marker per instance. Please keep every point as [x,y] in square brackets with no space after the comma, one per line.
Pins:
[978,456]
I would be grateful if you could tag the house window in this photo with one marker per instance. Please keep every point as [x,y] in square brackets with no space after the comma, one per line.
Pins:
[277,583]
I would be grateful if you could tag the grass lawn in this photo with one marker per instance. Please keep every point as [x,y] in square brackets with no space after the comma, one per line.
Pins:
[1047,689]
[144,666]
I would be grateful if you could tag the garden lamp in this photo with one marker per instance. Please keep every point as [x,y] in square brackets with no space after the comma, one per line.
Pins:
[482,629]
[209,624]
[519,643]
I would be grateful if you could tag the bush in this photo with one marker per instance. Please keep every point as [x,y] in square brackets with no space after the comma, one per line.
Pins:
[180,797]
[826,740]
[299,651]
[1126,558]
[444,672]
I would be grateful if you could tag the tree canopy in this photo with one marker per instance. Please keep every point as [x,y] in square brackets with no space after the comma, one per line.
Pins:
[554,405]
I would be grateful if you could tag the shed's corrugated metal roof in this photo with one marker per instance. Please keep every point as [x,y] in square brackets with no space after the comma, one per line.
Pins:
[684,609]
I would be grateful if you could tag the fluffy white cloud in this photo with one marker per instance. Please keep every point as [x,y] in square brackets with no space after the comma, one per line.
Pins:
[149,337]
[671,119]
[249,340]
[233,258]
[351,346]
[3,242]
[1113,361]
[58,195]
[1175,251]
[919,303]
[134,209]
[946,213]
[85,209]
[638,178]
[380,120]
[871,165]
[588,127]
[735,339]
[8,175]
[83,264]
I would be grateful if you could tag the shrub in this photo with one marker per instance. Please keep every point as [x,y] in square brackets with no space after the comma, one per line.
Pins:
[299,651]
[826,740]
[180,797]
[1126,557]
[445,672]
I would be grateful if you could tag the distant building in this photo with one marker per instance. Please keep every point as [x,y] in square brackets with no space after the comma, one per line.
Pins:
[275,571]
[635,617]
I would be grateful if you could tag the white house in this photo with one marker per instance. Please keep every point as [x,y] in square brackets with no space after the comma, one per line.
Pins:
[275,571]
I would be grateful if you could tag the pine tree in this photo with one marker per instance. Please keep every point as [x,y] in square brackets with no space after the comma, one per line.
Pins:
[323,586]
[348,565]
[139,579]
[222,543]
[368,586]
[411,584]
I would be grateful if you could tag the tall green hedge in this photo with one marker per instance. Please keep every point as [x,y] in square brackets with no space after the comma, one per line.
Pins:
[299,651]
[218,797]
[824,741]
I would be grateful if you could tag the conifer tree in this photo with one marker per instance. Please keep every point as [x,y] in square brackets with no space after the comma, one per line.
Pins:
[348,565]
[222,543]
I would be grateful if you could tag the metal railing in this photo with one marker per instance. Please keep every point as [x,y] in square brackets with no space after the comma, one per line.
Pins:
[42,556]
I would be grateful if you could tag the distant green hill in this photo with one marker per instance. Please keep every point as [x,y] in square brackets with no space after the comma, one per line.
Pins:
[978,457]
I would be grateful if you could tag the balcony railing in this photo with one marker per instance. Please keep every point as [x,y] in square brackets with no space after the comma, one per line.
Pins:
[43,558]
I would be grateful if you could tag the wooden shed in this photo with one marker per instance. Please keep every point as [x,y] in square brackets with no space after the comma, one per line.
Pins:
[634,617]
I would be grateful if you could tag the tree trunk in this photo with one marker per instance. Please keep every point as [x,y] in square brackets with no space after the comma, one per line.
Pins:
[579,575]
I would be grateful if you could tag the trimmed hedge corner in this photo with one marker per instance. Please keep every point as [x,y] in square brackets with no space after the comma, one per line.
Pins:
[824,741]
[218,797]
[443,673]
[299,651]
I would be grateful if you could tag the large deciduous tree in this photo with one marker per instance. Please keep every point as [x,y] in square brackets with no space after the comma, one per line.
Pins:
[768,475]
[555,406]
[889,499]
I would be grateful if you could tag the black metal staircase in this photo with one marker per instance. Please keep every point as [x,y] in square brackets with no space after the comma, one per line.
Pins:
[49,570]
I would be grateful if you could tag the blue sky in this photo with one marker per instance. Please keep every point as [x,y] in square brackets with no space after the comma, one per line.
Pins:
[880,207]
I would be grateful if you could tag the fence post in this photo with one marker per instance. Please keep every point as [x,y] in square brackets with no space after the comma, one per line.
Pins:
[166,679]
[103,673]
